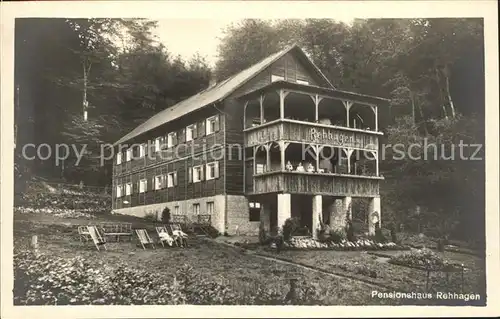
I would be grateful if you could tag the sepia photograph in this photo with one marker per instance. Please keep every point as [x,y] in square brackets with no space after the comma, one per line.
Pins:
[232,160]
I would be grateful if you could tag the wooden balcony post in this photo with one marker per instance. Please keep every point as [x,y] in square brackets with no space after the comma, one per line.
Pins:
[267,146]
[316,99]
[347,105]
[283,146]
[282,94]
[245,115]
[375,111]
[261,102]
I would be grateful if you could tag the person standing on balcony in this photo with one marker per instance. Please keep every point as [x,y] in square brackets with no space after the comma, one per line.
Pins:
[289,166]
[300,168]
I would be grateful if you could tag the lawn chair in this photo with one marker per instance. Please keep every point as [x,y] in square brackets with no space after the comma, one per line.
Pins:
[179,234]
[83,233]
[165,236]
[96,237]
[144,238]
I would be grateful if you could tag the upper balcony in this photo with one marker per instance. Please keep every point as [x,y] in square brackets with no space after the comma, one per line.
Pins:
[309,114]
[311,133]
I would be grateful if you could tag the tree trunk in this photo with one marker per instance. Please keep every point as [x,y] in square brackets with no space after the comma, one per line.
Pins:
[448,93]
[412,99]
[86,71]
[441,101]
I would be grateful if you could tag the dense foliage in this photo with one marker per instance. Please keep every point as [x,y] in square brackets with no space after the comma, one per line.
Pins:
[41,279]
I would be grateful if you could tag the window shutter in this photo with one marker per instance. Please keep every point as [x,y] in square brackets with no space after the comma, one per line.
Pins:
[174,139]
[202,173]
[194,133]
[190,174]
[182,138]
[201,128]
[216,125]
[175,178]
[216,170]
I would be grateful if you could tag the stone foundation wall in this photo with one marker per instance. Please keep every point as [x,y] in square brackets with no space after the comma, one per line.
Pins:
[238,218]
[185,208]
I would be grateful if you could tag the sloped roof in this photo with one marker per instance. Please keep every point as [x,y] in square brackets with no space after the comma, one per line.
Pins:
[214,94]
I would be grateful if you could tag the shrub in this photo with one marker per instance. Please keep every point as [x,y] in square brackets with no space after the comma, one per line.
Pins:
[350,231]
[289,227]
[419,258]
[165,215]
[394,238]
[263,237]
[337,235]
[324,233]
[379,235]
[151,216]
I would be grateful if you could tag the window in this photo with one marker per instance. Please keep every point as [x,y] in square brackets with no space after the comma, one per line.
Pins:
[196,209]
[254,212]
[142,150]
[197,173]
[129,154]
[210,208]
[190,132]
[303,82]
[119,158]
[171,139]
[128,189]
[172,179]
[143,185]
[277,78]
[157,144]
[159,181]
[212,125]
[119,190]
[212,170]
[176,210]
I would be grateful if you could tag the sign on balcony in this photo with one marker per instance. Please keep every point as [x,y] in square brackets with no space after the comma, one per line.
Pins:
[329,136]
[312,133]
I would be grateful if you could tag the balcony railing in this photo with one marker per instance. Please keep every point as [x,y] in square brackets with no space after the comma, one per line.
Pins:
[315,183]
[306,132]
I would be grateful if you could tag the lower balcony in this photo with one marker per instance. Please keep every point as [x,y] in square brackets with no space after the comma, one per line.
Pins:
[315,184]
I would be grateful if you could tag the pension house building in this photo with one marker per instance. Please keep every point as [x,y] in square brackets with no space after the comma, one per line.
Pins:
[274,141]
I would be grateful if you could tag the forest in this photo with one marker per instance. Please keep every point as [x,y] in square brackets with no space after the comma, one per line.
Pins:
[90,81]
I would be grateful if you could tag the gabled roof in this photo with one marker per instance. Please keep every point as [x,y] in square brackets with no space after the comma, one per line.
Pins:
[216,93]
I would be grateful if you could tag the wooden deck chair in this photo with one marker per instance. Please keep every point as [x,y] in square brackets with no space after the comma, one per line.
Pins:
[165,236]
[83,233]
[144,238]
[96,237]
[179,234]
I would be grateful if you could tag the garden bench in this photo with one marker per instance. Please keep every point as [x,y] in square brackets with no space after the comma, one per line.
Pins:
[117,230]
[144,238]
[83,233]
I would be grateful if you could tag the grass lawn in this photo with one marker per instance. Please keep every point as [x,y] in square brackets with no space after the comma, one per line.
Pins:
[376,269]
[231,266]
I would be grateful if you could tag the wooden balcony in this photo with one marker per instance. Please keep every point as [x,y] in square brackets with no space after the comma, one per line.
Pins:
[315,184]
[312,133]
